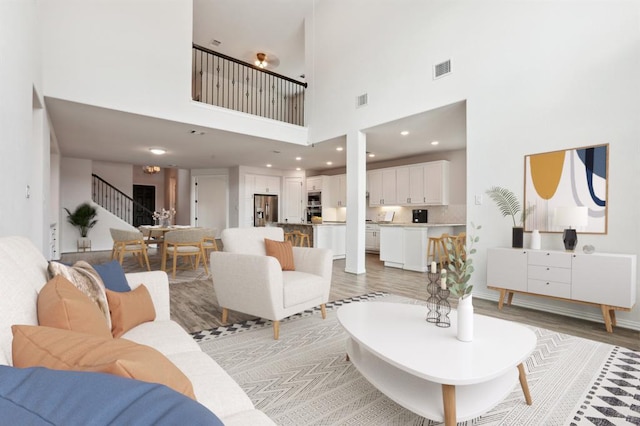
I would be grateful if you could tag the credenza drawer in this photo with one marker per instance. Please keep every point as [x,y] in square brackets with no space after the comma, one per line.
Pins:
[547,258]
[549,288]
[548,273]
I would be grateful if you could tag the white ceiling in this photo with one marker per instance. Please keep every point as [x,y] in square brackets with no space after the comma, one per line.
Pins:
[101,134]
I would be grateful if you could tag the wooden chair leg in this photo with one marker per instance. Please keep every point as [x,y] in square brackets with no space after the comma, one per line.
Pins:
[276,330]
[323,309]
[204,259]
[163,265]
[121,255]
[225,315]
[175,263]
[146,258]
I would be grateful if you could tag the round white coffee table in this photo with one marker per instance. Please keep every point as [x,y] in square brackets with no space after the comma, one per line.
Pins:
[426,369]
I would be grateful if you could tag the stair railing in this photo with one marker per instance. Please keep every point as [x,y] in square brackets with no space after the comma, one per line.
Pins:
[115,201]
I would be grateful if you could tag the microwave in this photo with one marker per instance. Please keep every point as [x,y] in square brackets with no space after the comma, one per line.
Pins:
[420,216]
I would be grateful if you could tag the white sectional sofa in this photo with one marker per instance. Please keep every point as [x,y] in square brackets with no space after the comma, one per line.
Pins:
[23,272]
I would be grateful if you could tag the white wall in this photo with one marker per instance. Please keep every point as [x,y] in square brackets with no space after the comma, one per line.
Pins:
[119,175]
[24,129]
[141,57]
[537,76]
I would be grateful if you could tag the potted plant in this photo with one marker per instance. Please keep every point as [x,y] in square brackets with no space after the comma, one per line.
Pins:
[83,218]
[458,275]
[510,206]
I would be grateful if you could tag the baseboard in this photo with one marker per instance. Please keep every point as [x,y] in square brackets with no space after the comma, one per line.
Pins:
[533,302]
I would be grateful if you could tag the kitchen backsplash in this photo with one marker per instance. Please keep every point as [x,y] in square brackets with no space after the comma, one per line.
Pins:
[454,213]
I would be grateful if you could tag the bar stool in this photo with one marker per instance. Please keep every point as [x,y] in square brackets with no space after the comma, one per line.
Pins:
[301,238]
[437,249]
[288,236]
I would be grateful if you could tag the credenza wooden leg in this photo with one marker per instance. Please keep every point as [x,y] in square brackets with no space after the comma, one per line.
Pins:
[449,403]
[510,298]
[606,314]
[524,384]
[225,315]
[503,293]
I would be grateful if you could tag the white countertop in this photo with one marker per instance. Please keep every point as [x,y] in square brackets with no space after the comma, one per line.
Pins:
[421,225]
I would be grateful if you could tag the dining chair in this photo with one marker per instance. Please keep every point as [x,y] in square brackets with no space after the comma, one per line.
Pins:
[128,241]
[186,243]
[209,241]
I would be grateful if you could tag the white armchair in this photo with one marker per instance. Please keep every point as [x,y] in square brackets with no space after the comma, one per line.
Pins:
[246,280]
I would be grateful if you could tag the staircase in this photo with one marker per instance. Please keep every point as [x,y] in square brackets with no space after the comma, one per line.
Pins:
[118,203]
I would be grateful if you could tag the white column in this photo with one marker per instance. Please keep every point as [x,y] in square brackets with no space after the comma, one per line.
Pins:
[356,201]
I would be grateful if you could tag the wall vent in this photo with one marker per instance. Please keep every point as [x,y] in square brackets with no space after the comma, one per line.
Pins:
[442,69]
[362,100]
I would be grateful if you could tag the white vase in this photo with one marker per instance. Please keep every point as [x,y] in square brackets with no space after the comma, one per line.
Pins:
[465,319]
[535,240]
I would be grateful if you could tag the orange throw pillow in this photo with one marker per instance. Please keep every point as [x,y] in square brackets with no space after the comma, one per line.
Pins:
[129,309]
[62,305]
[37,346]
[281,250]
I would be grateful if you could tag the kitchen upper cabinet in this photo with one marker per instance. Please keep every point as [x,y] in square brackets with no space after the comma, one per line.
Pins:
[382,187]
[261,184]
[338,191]
[314,183]
[436,183]
[410,185]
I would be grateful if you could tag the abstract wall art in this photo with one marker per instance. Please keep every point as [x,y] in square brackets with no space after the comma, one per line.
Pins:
[571,177]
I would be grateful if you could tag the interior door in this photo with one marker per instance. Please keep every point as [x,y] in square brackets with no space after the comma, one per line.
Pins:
[144,195]
[211,202]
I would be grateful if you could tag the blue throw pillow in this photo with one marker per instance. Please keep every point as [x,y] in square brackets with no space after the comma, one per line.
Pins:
[113,277]
[39,396]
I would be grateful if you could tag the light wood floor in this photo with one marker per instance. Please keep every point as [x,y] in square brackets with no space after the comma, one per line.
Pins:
[195,307]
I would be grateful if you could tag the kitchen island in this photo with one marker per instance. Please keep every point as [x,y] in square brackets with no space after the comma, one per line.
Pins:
[404,245]
[331,235]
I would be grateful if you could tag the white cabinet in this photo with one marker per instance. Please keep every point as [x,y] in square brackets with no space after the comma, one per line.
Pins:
[314,183]
[410,185]
[331,236]
[337,191]
[292,201]
[406,246]
[392,246]
[607,280]
[604,279]
[507,268]
[382,187]
[372,238]
[261,184]
[436,183]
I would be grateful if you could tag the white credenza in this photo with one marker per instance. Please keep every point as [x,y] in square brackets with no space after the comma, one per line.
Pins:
[602,279]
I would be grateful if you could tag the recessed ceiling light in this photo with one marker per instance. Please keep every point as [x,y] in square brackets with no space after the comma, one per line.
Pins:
[435,143]
[339,148]
[268,165]
[404,132]
[329,163]
[298,168]
[196,132]
[158,151]
[298,158]
[371,155]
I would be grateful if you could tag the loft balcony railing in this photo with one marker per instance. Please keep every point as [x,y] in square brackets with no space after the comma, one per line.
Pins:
[230,83]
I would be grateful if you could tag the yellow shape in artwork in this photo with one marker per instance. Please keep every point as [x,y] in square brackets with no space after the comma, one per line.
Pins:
[546,170]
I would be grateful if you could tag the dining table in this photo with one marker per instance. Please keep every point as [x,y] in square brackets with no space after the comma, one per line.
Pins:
[149,230]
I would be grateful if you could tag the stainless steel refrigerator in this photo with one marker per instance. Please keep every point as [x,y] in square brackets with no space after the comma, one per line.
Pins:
[265,209]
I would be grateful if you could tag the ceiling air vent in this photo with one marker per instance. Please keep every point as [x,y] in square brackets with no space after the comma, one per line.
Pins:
[362,100]
[442,69]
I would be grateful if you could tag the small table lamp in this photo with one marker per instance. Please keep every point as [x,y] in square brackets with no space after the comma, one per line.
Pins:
[571,216]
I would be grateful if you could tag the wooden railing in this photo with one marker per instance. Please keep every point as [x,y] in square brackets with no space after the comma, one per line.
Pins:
[226,82]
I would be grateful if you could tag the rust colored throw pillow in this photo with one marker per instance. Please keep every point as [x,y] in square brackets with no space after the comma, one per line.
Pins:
[37,346]
[62,305]
[281,250]
[129,309]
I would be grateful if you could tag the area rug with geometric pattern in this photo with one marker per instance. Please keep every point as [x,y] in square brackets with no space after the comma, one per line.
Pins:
[304,378]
